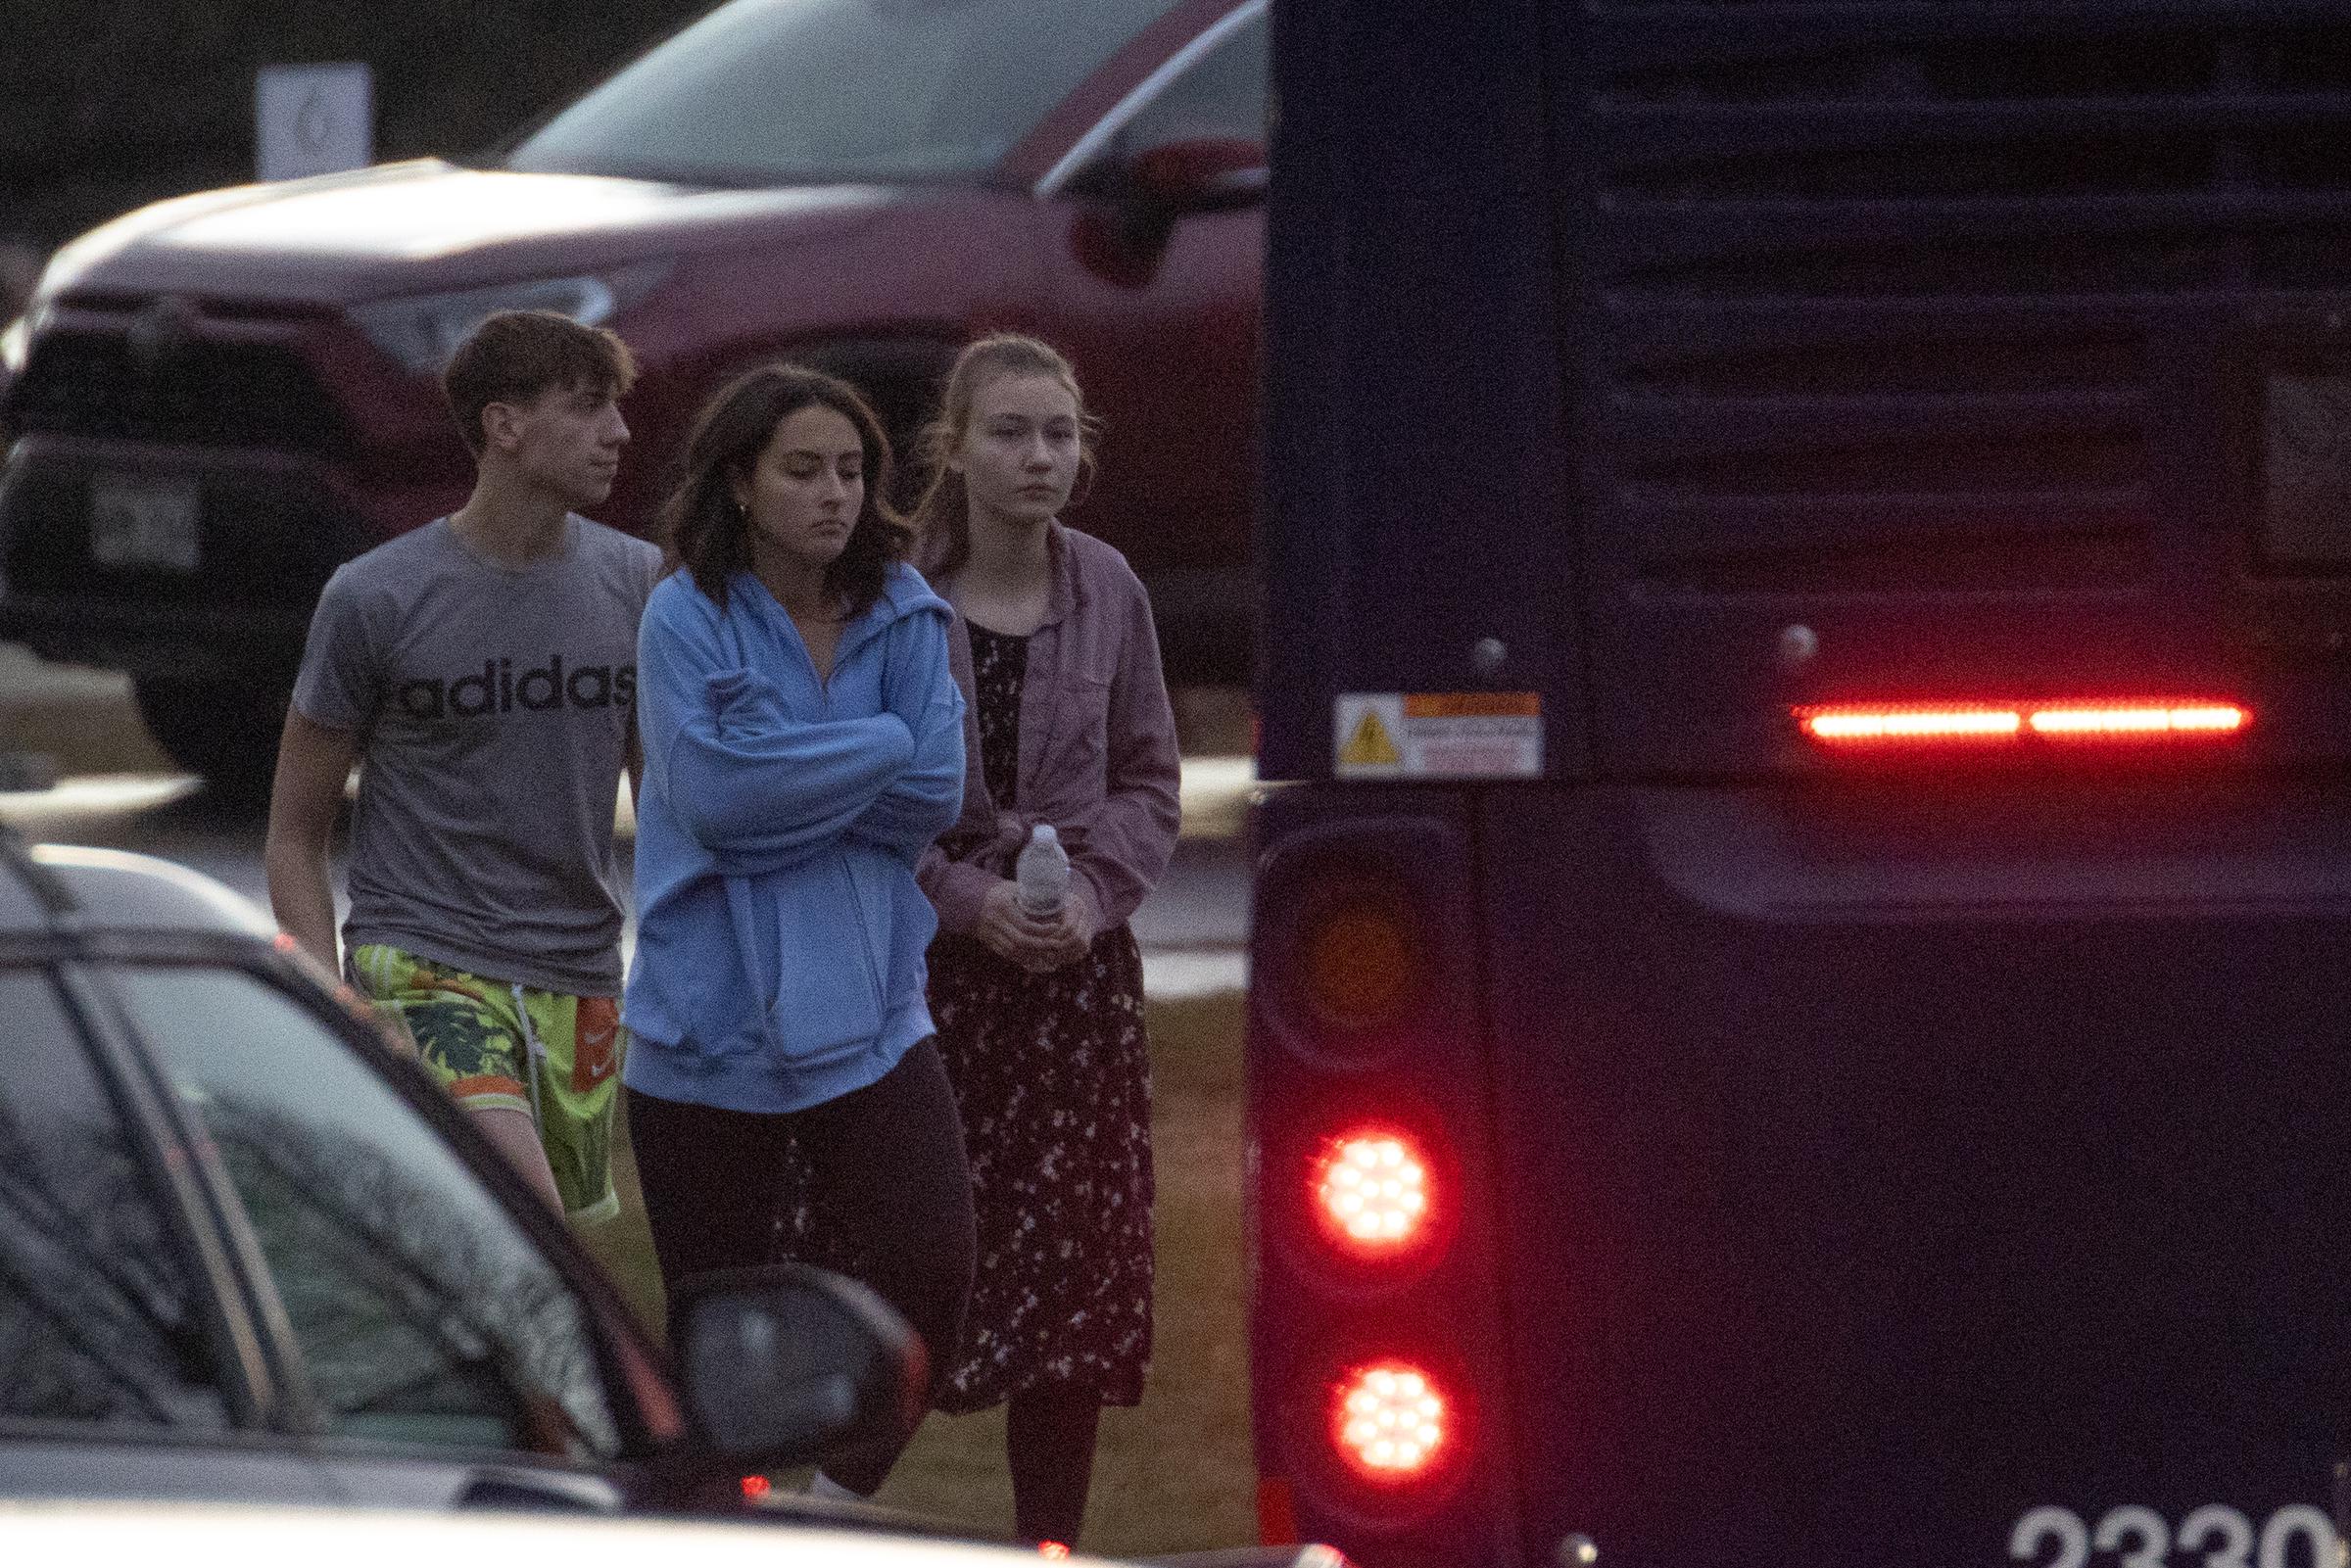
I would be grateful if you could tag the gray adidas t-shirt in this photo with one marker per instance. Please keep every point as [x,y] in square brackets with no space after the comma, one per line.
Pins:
[493,707]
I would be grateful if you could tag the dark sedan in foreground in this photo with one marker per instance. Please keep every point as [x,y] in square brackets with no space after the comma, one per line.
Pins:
[248,1252]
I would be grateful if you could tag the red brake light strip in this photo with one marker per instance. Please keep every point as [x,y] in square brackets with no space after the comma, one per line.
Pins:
[1859,725]
[2186,719]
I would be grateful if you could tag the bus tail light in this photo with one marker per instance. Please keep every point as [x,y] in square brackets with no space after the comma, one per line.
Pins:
[2127,721]
[1375,1314]
[1391,1422]
[1882,727]
[1371,1193]
[1857,725]
[1357,962]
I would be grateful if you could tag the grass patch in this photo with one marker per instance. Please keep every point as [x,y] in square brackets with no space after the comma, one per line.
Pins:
[1173,1474]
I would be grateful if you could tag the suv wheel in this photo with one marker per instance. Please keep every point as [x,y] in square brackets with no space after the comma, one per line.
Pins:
[226,730]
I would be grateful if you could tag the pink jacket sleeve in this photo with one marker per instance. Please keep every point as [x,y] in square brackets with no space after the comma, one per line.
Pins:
[955,873]
[1120,848]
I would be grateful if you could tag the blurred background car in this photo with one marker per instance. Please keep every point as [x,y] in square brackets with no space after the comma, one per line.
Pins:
[216,399]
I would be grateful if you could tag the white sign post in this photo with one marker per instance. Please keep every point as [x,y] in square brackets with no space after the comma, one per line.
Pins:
[313,119]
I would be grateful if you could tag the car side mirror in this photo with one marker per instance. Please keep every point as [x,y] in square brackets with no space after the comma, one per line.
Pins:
[1202,175]
[785,1364]
[1123,230]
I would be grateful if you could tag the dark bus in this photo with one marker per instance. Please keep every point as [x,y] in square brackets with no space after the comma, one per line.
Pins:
[1800,994]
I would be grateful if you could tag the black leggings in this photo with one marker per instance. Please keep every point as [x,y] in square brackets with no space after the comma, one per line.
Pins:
[1049,1444]
[887,1161]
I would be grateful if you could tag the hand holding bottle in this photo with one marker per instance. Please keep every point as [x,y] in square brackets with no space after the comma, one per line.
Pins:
[1034,919]
[1043,873]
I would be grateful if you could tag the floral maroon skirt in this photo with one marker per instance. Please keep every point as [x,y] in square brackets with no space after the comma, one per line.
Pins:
[1053,1075]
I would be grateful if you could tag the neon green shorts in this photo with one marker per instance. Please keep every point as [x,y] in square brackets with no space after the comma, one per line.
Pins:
[493,1045]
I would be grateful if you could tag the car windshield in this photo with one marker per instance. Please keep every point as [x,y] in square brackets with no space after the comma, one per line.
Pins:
[777,91]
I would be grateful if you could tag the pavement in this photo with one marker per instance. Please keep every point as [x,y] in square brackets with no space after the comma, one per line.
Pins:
[1194,927]
[55,719]
[113,788]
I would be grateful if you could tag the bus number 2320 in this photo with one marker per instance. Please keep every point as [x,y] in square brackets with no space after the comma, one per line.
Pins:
[2214,1537]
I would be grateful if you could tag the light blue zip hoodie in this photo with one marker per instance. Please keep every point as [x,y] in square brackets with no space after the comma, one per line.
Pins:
[779,929]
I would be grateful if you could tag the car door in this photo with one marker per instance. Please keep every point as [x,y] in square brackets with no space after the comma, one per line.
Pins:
[449,1353]
[127,1362]
[1159,314]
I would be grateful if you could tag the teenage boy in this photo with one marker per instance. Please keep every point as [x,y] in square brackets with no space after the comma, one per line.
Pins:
[481,671]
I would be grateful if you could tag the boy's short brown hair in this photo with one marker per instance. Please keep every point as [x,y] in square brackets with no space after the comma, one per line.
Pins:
[516,355]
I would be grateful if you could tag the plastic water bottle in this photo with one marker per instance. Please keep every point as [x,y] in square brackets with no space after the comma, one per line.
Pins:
[1043,872]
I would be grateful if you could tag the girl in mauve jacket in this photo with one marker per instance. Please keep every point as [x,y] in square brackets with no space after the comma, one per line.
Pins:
[1041,1021]
[803,745]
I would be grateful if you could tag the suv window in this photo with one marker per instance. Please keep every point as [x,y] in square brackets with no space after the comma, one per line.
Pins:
[1222,93]
[773,91]
[98,1311]
[425,1312]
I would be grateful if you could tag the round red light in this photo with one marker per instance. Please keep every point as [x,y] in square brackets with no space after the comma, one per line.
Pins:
[1389,1421]
[1371,1193]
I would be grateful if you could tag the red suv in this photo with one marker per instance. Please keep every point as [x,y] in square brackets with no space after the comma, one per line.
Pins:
[216,399]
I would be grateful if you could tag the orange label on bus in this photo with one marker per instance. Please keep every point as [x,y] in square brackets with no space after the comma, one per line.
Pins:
[1472,705]
[1437,734]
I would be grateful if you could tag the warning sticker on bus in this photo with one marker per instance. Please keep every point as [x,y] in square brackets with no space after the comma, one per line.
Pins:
[1437,734]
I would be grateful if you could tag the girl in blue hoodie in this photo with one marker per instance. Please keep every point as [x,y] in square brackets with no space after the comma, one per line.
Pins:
[804,743]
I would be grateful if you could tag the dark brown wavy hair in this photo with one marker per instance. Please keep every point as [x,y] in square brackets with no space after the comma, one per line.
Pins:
[704,529]
[942,518]
[516,356]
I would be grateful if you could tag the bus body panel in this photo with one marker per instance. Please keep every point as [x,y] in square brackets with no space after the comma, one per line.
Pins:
[1990,352]
[1977,351]
[1847,1175]
[1885,1165]
[1925,1160]
[1415,475]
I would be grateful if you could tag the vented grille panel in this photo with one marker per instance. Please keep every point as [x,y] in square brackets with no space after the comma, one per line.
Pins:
[1882,288]
[94,383]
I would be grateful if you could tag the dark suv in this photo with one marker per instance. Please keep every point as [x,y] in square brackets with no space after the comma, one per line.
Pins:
[217,398]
